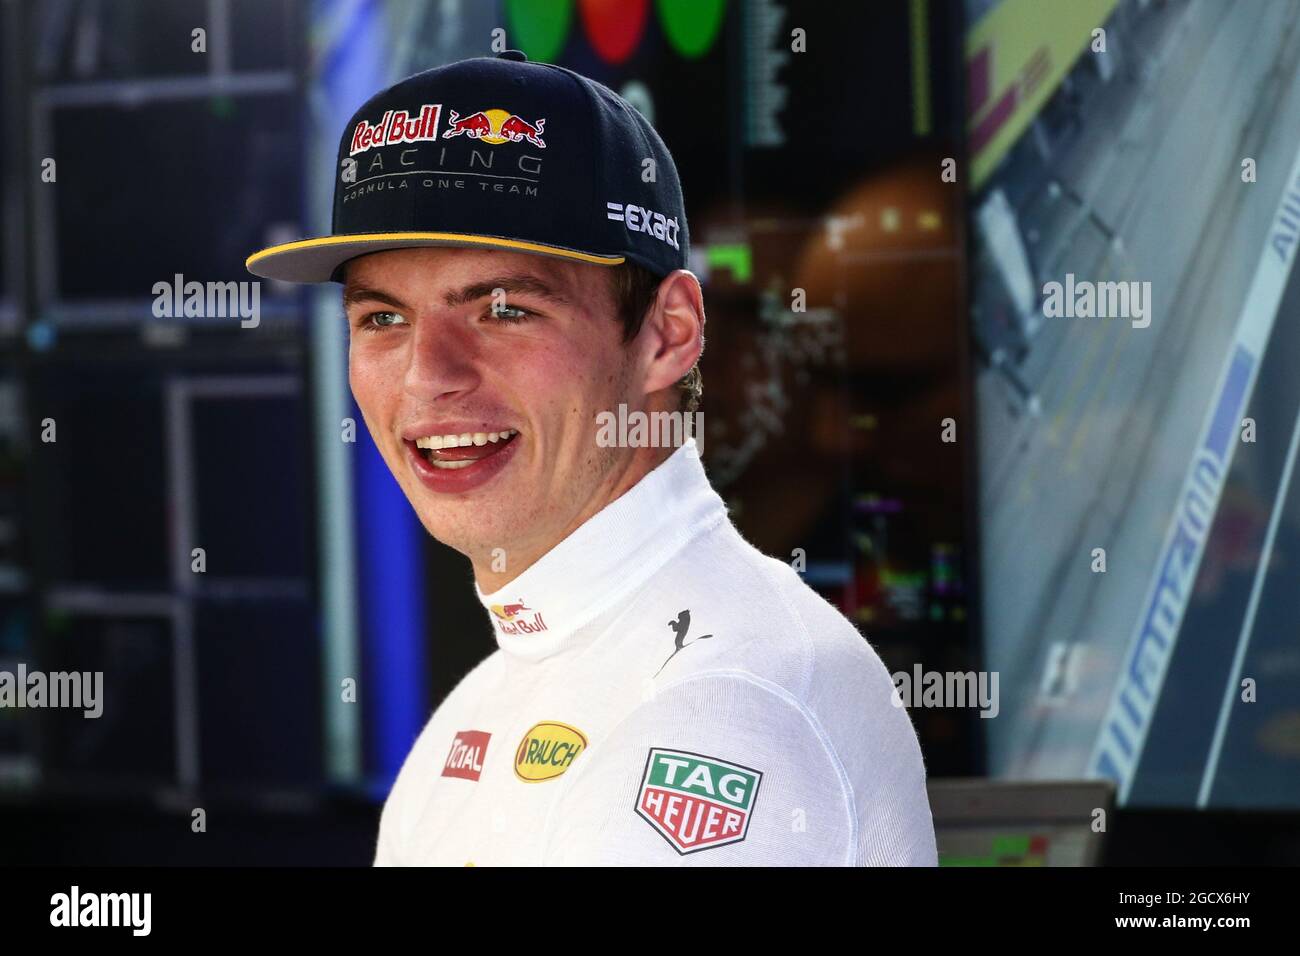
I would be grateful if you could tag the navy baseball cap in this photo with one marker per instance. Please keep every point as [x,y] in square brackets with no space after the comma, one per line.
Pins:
[498,153]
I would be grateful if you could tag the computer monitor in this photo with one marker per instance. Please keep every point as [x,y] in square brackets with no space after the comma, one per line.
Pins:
[1133,297]
[1001,823]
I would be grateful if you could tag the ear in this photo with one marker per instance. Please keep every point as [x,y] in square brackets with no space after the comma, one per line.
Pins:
[673,330]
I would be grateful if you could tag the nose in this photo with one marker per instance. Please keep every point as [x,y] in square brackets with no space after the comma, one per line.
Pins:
[443,359]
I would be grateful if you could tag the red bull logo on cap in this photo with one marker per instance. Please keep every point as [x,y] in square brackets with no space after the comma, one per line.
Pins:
[495,127]
[397,126]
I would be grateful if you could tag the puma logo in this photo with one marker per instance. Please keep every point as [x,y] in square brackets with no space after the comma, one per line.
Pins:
[679,628]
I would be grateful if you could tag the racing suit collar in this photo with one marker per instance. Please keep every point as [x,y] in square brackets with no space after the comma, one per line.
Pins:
[606,558]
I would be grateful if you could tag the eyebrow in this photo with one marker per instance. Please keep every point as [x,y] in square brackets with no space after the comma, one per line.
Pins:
[357,293]
[507,283]
[463,296]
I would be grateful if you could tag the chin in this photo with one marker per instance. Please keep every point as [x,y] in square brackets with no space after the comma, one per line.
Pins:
[467,537]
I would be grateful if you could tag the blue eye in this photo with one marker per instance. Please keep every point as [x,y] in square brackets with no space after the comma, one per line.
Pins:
[509,313]
[382,320]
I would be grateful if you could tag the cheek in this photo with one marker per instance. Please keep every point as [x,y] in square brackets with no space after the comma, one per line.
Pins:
[372,385]
[545,378]
[572,374]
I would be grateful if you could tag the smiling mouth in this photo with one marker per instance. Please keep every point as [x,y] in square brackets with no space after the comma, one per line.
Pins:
[451,452]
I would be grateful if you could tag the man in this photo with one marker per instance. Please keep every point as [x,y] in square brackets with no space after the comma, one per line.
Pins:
[512,243]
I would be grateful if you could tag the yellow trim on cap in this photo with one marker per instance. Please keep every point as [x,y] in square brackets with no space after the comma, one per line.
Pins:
[458,237]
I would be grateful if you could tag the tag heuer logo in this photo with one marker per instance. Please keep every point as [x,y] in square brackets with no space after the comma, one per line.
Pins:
[696,802]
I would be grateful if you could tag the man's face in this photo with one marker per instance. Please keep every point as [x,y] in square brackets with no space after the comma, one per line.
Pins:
[430,358]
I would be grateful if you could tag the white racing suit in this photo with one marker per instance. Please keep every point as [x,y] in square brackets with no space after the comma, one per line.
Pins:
[663,694]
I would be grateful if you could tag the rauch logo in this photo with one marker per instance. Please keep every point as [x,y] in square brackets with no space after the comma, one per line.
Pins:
[547,750]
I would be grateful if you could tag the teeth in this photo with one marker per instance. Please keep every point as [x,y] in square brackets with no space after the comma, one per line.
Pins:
[465,440]
[453,464]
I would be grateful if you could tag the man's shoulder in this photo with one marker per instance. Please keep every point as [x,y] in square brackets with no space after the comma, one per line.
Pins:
[771,672]
[764,619]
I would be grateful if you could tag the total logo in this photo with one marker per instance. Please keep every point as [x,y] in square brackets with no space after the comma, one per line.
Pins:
[465,760]
[547,750]
[509,620]
[495,127]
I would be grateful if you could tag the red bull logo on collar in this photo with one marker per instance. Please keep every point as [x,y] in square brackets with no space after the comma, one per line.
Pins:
[495,127]
[509,618]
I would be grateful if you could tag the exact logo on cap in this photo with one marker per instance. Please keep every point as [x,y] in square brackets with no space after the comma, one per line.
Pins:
[466,757]
[547,750]
[696,802]
[639,219]
[397,126]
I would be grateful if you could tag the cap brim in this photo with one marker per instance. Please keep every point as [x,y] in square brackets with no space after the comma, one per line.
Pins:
[317,260]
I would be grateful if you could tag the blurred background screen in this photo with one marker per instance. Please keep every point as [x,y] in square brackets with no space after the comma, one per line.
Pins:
[1136,471]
